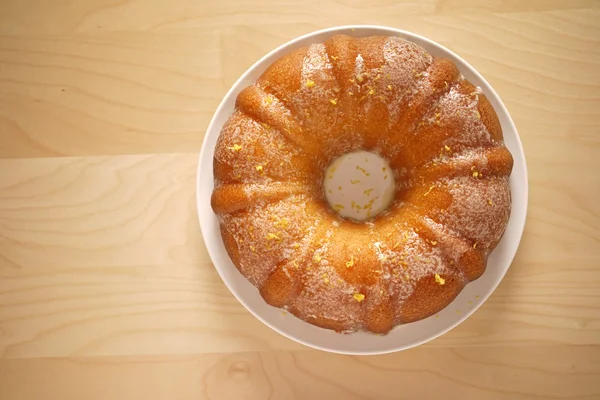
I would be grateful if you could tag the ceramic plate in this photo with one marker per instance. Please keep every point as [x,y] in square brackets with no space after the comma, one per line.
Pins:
[401,337]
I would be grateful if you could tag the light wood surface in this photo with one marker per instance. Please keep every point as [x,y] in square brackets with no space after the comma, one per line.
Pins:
[106,289]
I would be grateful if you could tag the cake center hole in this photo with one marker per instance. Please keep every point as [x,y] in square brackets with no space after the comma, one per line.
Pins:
[359,185]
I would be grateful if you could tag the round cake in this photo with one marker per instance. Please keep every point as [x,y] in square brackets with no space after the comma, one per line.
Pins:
[408,251]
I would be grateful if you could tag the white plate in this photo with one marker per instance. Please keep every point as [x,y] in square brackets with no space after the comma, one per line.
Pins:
[401,337]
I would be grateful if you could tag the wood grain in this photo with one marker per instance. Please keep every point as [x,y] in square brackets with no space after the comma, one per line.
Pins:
[119,93]
[418,373]
[106,289]
[424,373]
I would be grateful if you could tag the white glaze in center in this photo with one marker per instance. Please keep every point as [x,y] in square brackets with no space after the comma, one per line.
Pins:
[359,185]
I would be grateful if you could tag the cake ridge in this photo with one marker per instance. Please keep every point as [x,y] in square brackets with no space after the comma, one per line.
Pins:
[290,128]
[246,195]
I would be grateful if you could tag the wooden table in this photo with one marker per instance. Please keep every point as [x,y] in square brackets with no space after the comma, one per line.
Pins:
[106,289]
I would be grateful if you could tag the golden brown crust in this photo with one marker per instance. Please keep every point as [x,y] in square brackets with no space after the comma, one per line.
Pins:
[233,197]
[380,318]
[381,94]
[281,286]
[489,118]
[231,246]
[430,298]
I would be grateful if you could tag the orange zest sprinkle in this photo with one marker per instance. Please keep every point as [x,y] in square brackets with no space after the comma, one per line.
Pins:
[272,236]
[439,280]
[282,223]
[361,169]
[351,262]
[429,191]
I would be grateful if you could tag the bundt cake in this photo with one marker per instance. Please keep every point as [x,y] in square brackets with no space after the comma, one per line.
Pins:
[450,170]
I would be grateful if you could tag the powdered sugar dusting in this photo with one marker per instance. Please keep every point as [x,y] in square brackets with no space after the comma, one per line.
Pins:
[457,109]
[404,70]
[450,243]
[317,104]
[480,208]
[238,147]
[359,65]
[409,260]
[266,234]
[327,295]
[473,156]
[317,82]
[316,63]
[399,78]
